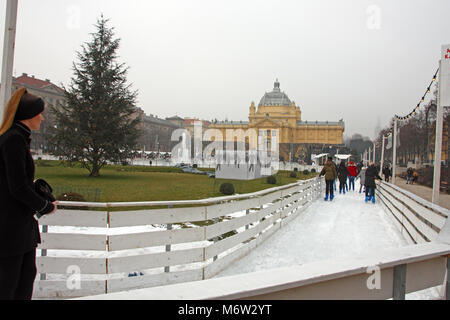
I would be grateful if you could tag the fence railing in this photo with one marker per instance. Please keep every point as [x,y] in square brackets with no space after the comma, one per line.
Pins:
[391,274]
[423,264]
[89,252]
[418,220]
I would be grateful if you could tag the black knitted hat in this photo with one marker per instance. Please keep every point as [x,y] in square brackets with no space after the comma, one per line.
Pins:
[29,107]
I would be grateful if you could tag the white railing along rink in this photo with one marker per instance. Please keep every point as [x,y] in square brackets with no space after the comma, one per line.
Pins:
[392,274]
[88,252]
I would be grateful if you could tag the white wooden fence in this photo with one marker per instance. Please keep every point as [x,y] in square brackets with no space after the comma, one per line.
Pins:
[418,220]
[391,274]
[88,252]
[423,264]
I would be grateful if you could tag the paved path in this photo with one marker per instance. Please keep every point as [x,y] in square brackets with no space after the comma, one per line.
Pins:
[423,192]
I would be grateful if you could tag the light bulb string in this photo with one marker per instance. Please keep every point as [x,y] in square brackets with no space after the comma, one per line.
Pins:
[413,112]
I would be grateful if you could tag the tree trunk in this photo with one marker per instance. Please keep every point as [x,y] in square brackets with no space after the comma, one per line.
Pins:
[95,172]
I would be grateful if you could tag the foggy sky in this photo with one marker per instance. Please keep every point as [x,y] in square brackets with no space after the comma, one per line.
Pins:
[210,59]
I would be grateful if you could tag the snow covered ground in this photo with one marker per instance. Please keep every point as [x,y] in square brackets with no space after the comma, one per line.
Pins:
[345,227]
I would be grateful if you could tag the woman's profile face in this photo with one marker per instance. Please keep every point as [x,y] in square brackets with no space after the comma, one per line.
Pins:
[35,122]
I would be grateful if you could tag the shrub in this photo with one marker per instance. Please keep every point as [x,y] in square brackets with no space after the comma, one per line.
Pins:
[293,174]
[295,169]
[305,171]
[227,188]
[313,170]
[43,163]
[194,165]
[271,180]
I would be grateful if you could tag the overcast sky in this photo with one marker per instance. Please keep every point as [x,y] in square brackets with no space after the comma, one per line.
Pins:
[359,60]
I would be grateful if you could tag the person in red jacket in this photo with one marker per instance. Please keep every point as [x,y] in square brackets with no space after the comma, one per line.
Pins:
[353,170]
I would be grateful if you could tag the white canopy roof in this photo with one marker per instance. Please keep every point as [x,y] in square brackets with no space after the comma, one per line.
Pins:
[319,155]
[342,156]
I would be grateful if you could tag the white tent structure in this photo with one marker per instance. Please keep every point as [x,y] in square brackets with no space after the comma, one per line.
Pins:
[342,156]
[316,158]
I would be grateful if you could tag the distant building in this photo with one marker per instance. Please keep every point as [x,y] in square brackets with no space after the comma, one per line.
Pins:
[157,132]
[298,139]
[51,94]
[189,123]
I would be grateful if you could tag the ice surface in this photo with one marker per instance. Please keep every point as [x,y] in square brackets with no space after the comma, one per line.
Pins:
[344,227]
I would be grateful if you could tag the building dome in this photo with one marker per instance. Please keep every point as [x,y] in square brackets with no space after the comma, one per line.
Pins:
[275,97]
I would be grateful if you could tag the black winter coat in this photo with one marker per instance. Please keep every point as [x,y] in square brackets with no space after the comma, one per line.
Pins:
[19,231]
[371,174]
[342,172]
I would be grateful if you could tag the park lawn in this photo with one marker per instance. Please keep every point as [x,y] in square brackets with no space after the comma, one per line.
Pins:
[128,183]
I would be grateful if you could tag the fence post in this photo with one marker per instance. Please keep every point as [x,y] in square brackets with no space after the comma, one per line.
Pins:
[246,213]
[447,285]
[399,282]
[261,208]
[108,225]
[216,238]
[168,246]
[43,276]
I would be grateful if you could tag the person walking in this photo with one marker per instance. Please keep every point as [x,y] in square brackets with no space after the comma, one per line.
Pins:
[387,173]
[362,179]
[409,175]
[371,175]
[343,173]
[415,177]
[353,170]
[19,230]
[359,166]
[329,171]
[335,169]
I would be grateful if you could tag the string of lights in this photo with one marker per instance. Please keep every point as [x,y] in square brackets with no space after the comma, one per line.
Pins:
[413,112]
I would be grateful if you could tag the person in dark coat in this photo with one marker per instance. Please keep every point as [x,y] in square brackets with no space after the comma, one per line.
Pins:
[343,173]
[371,175]
[409,175]
[19,231]
[329,171]
[387,173]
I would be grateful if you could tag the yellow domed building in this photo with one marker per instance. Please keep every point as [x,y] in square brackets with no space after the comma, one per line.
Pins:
[297,138]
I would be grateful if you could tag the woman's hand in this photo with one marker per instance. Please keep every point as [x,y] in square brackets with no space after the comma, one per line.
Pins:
[55,203]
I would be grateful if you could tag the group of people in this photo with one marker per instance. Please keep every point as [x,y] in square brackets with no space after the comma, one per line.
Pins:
[411,176]
[350,173]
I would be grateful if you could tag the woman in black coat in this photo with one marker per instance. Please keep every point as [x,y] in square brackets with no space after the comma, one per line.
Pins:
[371,175]
[343,173]
[19,231]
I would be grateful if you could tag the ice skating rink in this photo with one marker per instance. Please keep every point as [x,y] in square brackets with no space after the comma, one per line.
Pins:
[345,227]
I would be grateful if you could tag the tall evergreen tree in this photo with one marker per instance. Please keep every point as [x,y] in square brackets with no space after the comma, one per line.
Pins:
[97,124]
